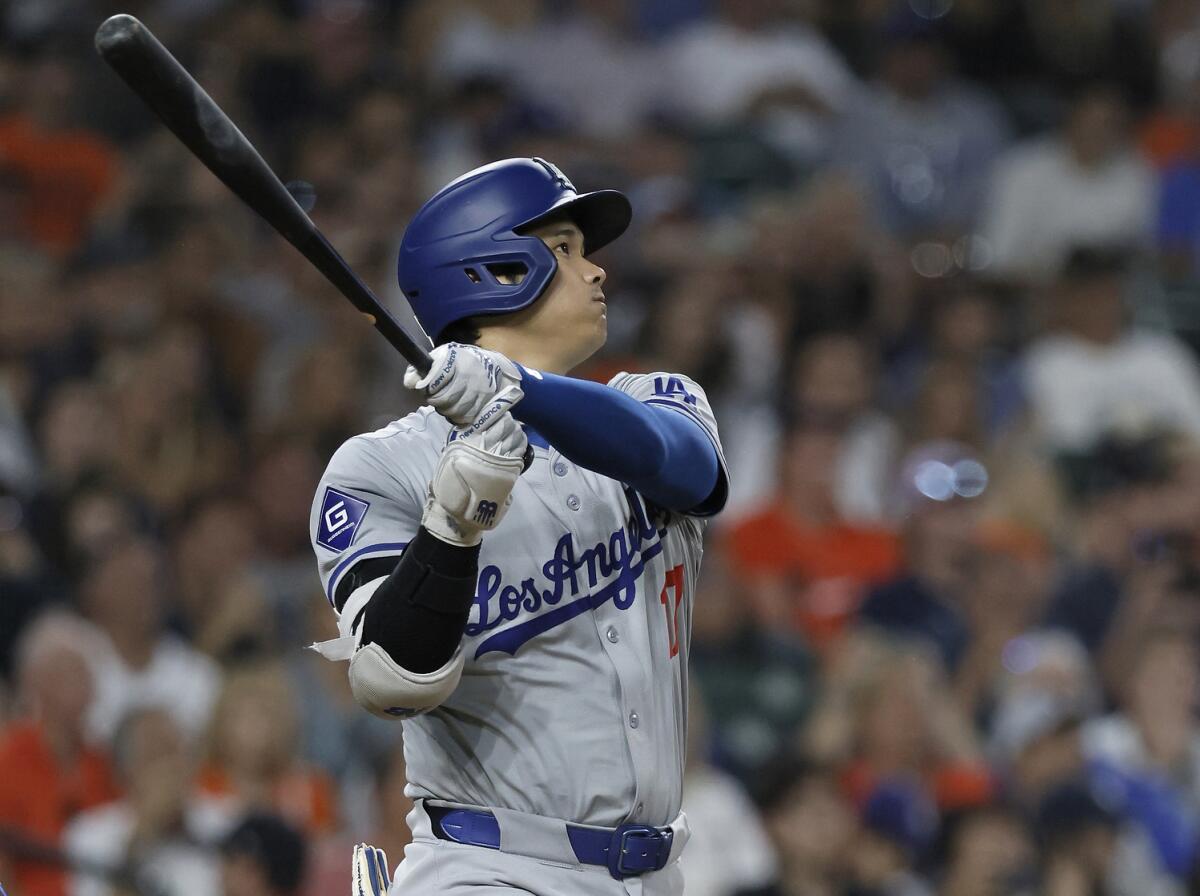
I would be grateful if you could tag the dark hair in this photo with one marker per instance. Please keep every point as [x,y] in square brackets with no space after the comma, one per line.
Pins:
[1067,811]
[778,779]
[465,331]
[274,846]
[1086,263]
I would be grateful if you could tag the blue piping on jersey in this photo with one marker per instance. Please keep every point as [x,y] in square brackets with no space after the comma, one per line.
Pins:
[397,546]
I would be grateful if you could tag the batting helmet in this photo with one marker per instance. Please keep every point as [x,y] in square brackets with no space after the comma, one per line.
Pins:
[474,228]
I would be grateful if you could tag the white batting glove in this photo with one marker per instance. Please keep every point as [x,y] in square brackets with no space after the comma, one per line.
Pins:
[472,488]
[369,871]
[464,379]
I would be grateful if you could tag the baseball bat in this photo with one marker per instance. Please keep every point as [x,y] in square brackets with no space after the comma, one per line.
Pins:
[166,87]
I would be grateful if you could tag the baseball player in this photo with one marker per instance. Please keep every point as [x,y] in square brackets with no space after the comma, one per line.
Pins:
[530,626]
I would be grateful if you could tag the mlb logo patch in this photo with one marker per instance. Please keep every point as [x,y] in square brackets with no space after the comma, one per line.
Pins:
[340,516]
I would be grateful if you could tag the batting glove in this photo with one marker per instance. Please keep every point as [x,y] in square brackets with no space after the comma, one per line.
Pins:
[370,871]
[472,487]
[464,379]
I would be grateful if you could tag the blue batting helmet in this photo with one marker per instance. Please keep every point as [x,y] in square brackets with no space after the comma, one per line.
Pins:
[474,228]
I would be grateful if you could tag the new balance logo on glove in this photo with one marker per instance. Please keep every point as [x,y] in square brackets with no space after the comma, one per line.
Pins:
[485,512]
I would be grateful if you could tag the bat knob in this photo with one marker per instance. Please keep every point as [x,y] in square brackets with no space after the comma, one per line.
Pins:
[116,32]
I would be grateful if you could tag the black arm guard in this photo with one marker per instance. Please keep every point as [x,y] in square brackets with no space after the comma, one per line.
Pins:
[419,612]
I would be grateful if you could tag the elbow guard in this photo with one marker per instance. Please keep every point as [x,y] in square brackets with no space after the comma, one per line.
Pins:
[386,689]
[409,626]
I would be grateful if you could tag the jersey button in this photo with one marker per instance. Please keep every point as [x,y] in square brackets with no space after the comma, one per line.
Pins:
[560,469]
[633,720]
[573,502]
[612,635]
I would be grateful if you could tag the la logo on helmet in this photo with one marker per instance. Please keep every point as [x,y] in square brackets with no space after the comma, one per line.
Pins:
[561,179]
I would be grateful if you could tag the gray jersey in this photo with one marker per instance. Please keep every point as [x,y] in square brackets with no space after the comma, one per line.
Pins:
[572,699]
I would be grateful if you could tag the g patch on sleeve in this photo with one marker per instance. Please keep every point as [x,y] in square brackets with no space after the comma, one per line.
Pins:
[340,518]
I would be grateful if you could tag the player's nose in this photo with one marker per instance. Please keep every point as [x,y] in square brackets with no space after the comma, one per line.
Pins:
[596,276]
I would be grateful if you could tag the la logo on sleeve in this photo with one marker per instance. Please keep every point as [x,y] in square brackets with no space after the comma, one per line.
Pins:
[340,516]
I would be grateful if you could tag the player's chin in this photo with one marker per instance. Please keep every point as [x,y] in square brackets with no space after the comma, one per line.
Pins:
[594,335]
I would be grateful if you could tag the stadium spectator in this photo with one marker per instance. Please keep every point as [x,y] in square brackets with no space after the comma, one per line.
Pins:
[811,825]
[832,385]
[936,499]
[1045,691]
[221,604]
[263,856]
[68,171]
[803,565]
[989,852]
[892,723]
[758,64]
[1092,373]
[1011,588]
[898,824]
[138,662]
[49,771]
[1083,185]
[27,579]
[921,139]
[253,755]
[759,681]
[732,852]
[1078,835]
[161,832]
[1152,748]
[969,324]
[603,86]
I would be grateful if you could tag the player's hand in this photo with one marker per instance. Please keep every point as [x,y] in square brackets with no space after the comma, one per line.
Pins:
[370,871]
[464,379]
[472,486]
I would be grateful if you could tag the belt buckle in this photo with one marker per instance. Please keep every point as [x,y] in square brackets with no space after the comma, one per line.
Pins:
[626,859]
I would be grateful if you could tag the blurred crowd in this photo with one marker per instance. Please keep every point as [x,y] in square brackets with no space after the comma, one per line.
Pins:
[937,264]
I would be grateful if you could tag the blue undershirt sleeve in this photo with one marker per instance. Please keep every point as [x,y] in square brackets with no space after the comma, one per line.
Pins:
[665,455]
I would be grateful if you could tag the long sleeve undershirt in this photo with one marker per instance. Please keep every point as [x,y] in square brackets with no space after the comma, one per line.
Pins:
[663,454]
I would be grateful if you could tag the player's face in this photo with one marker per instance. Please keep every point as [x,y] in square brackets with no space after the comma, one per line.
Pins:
[571,315]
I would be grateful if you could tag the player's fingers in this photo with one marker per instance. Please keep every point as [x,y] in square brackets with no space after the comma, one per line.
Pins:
[494,411]
[376,871]
[442,361]
[381,862]
[513,442]
[359,886]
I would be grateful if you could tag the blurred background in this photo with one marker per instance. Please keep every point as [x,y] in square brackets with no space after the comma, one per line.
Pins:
[937,264]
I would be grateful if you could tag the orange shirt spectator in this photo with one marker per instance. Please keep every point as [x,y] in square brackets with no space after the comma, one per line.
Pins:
[66,174]
[774,541]
[48,773]
[304,796]
[804,566]
[953,785]
[253,758]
